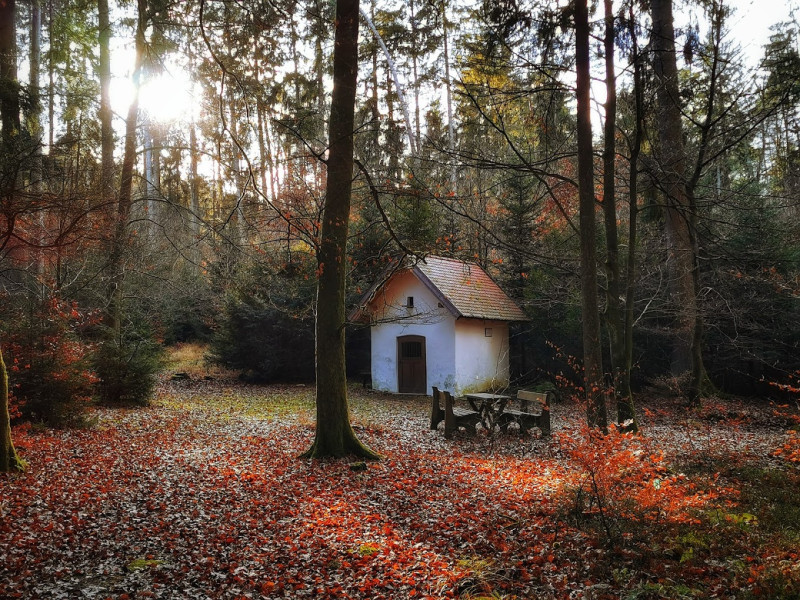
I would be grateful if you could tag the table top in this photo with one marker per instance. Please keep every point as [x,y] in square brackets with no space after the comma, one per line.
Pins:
[487,396]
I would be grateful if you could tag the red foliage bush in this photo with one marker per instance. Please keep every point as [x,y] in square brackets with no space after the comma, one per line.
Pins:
[49,375]
[790,449]
[620,480]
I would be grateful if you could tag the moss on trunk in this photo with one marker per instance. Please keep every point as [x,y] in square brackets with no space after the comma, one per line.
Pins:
[9,459]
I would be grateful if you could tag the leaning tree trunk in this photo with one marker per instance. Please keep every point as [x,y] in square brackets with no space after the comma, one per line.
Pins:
[334,435]
[9,460]
[592,356]
[9,117]
[398,86]
[679,214]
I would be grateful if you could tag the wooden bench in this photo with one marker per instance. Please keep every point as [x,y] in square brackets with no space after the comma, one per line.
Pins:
[523,416]
[453,417]
[437,414]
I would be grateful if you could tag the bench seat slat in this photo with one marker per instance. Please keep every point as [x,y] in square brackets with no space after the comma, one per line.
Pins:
[456,417]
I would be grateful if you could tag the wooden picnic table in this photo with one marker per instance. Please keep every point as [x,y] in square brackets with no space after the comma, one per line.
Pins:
[491,410]
[489,406]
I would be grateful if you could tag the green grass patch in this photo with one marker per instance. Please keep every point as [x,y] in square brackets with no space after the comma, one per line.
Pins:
[141,564]
[771,496]
[250,402]
[676,591]
[368,550]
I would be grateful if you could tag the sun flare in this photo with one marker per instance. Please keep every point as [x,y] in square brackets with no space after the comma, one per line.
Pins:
[166,98]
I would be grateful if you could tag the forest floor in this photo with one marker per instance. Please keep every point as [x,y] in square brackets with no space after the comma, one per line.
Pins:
[202,495]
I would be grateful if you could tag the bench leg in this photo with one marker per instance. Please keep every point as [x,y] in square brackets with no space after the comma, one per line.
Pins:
[449,425]
[504,421]
[544,420]
[437,415]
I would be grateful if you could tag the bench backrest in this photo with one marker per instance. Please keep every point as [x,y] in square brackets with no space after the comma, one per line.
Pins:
[525,396]
[542,400]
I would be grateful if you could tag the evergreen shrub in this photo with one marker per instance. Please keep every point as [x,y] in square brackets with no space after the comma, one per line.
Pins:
[266,329]
[127,364]
[49,360]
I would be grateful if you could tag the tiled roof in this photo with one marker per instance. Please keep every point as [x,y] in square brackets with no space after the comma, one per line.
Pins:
[468,289]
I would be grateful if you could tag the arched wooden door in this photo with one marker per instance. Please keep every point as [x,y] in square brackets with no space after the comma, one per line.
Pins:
[412,376]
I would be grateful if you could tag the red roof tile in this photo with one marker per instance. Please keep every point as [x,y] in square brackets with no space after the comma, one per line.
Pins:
[468,289]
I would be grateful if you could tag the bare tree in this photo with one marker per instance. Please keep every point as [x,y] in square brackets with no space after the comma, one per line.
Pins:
[592,356]
[334,434]
[680,213]
[9,117]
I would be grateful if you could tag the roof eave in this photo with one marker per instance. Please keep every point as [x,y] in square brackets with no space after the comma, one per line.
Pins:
[497,318]
[359,312]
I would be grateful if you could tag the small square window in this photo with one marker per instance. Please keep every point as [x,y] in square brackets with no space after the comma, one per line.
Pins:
[487,332]
[410,302]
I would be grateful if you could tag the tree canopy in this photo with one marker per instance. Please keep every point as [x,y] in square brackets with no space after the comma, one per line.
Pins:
[672,224]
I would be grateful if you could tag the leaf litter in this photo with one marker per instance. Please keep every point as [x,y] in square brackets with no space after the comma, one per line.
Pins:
[202,496]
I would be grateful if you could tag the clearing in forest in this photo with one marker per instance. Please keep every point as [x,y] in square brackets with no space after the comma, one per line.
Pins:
[202,496]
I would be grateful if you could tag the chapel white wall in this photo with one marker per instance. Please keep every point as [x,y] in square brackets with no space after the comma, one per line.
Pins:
[481,360]
[426,319]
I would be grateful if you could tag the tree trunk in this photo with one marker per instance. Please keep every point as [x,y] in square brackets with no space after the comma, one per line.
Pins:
[239,178]
[264,160]
[51,80]
[194,192]
[415,70]
[34,125]
[679,217]
[9,460]
[334,435]
[412,142]
[592,356]
[34,93]
[451,135]
[9,118]
[119,241]
[615,321]
[319,64]
[105,114]
[9,86]
[625,406]
[152,172]
[195,218]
